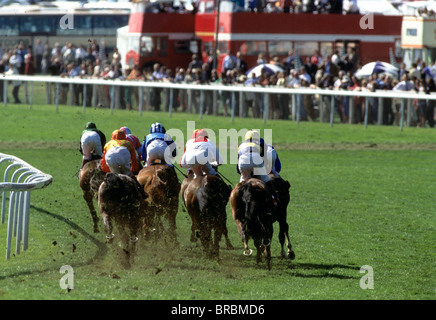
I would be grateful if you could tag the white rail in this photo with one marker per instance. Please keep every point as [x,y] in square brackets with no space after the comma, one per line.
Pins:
[24,178]
[405,96]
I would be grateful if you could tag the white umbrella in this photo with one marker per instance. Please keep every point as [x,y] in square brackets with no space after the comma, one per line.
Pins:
[377,67]
[267,67]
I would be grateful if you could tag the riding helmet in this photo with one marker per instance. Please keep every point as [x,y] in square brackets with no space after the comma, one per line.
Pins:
[157,128]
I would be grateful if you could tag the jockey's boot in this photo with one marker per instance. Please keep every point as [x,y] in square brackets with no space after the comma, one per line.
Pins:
[274,194]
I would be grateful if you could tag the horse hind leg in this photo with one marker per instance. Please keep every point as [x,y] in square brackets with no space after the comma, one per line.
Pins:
[89,201]
[291,253]
[284,235]
[229,245]
[108,227]
[172,225]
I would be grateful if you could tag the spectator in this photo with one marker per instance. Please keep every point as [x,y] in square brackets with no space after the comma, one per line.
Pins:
[39,53]
[229,63]
[240,63]
[421,104]
[15,63]
[29,64]
[195,63]
[261,58]
[80,54]
[431,87]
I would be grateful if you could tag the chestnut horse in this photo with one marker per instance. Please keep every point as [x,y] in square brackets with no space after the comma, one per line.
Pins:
[252,211]
[122,200]
[162,186]
[206,198]
[280,214]
[90,178]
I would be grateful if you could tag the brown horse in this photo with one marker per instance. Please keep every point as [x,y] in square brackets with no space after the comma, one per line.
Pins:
[280,213]
[252,211]
[122,200]
[206,198]
[162,186]
[90,178]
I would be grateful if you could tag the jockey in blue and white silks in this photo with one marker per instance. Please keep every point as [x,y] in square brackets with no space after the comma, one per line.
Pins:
[158,146]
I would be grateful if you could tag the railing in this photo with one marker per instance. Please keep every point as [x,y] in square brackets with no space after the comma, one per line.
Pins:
[24,178]
[406,97]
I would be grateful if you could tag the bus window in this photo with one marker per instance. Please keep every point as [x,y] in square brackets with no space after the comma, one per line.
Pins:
[208,46]
[108,25]
[40,24]
[306,48]
[9,26]
[326,49]
[162,46]
[147,46]
[181,46]
[253,48]
[279,48]
[223,47]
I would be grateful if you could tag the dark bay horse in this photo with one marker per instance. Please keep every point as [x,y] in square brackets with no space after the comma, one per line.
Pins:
[122,200]
[162,186]
[90,178]
[280,213]
[252,211]
[206,198]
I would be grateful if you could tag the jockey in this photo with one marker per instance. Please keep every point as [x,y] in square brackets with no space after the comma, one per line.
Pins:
[92,141]
[201,155]
[251,162]
[158,146]
[119,156]
[271,159]
[135,143]
[133,139]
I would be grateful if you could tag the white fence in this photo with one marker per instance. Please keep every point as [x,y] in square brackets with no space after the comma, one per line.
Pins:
[23,179]
[324,97]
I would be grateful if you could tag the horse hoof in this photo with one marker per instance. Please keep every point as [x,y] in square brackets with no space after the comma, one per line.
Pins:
[291,255]
[248,252]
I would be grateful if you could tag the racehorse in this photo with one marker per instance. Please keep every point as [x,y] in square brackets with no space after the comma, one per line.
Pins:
[90,178]
[206,198]
[162,187]
[279,214]
[252,211]
[122,199]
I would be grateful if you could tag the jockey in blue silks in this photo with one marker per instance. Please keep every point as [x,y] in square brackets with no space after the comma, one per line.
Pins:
[158,146]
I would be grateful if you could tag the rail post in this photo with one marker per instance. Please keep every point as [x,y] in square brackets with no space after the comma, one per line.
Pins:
[5,92]
[332,110]
[23,179]
[366,111]
[402,115]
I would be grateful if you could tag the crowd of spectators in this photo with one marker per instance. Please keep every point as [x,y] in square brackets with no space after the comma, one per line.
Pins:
[336,71]
[286,6]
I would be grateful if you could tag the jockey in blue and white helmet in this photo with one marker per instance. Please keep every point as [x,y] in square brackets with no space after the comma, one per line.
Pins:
[158,146]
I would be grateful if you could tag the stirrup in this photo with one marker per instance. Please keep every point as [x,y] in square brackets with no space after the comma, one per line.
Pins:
[275,202]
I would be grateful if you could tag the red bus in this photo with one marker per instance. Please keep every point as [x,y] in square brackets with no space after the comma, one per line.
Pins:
[171,38]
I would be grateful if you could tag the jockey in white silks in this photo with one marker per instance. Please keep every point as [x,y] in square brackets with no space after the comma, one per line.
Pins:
[251,162]
[201,155]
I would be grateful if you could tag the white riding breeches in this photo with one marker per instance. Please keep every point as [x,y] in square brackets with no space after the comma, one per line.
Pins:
[118,160]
